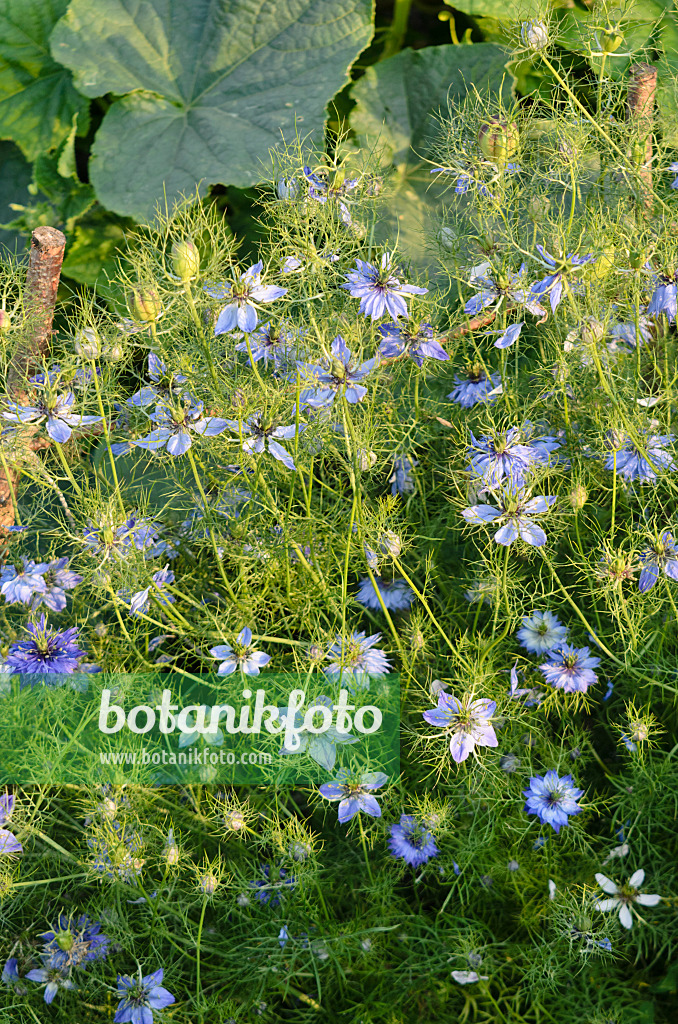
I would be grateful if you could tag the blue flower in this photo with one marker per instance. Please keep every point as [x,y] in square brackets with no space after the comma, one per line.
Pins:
[494,459]
[467,723]
[9,843]
[552,284]
[498,288]
[542,632]
[570,669]
[533,697]
[47,652]
[117,852]
[552,799]
[58,579]
[661,556]
[134,534]
[52,978]
[74,942]
[625,333]
[518,510]
[269,889]
[396,595]
[245,294]
[322,189]
[632,463]
[664,298]
[10,972]
[509,336]
[175,424]
[277,344]
[56,409]
[240,656]
[475,389]
[418,343]
[164,383]
[141,998]
[354,795]
[140,600]
[355,657]
[339,377]
[401,480]
[379,290]
[412,841]
[262,437]
[18,586]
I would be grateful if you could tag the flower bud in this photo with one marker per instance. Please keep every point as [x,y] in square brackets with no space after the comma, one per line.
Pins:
[234,820]
[534,35]
[611,40]
[604,264]
[113,353]
[5,321]
[208,883]
[87,344]
[498,140]
[390,544]
[185,259]
[578,496]
[366,460]
[287,188]
[538,208]
[238,400]
[145,305]
[638,153]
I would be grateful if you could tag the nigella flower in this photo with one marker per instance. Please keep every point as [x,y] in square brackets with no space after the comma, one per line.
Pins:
[47,652]
[467,723]
[542,632]
[661,556]
[56,409]
[116,852]
[18,586]
[475,389]
[625,334]
[141,997]
[624,897]
[553,799]
[354,795]
[532,695]
[633,463]
[174,426]
[321,747]
[8,842]
[552,284]
[240,656]
[379,290]
[277,344]
[570,669]
[58,579]
[396,595]
[494,459]
[664,298]
[134,533]
[321,188]
[412,841]
[261,436]
[164,380]
[271,887]
[417,342]
[52,978]
[340,377]
[401,480]
[518,510]
[245,294]
[74,942]
[140,600]
[10,974]
[498,287]
[356,657]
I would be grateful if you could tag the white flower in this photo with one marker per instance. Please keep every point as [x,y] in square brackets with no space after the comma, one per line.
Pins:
[623,896]
[466,977]
[618,851]
[534,34]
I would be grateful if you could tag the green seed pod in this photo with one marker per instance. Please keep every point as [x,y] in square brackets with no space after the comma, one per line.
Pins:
[185,259]
[636,258]
[638,153]
[498,140]
[610,40]
[145,304]
[604,264]
[579,496]
[534,35]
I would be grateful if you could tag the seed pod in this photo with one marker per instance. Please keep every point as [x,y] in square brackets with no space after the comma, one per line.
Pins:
[145,304]
[87,344]
[611,40]
[498,140]
[602,267]
[185,259]
[578,496]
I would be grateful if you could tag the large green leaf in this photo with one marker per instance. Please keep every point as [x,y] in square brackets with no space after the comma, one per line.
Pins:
[15,177]
[396,103]
[37,98]
[504,10]
[212,84]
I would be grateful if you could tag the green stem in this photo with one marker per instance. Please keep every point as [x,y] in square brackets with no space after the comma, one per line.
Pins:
[107,434]
[209,520]
[198,994]
[398,29]
[196,320]
[67,469]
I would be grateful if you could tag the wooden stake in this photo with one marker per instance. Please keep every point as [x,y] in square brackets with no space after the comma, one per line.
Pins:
[640,111]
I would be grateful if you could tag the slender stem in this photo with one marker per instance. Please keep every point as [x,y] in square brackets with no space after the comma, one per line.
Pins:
[198,994]
[67,469]
[107,435]
[196,320]
[10,485]
[210,529]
